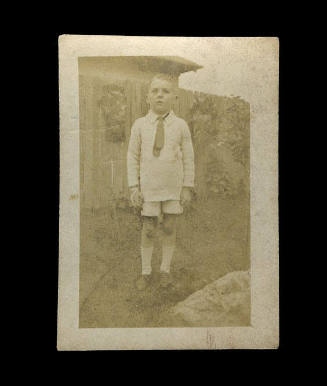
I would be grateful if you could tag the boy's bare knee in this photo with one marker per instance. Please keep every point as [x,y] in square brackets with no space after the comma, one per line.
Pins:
[169,224]
[149,226]
[168,230]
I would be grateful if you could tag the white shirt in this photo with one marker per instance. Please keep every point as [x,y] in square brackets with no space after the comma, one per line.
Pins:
[160,178]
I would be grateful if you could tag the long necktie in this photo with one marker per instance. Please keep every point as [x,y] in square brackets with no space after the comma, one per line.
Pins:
[160,136]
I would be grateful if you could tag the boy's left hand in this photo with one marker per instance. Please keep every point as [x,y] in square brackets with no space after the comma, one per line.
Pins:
[186,196]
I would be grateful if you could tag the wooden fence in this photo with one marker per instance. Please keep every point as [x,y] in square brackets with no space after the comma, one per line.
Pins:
[219,128]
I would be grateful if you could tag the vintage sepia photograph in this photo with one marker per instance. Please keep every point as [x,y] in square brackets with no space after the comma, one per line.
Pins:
[164,197]
[165,193]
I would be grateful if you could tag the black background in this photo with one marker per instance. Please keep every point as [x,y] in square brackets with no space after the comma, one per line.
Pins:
[42,69]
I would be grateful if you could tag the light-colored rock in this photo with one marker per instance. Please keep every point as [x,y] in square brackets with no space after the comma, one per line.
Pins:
[225,302]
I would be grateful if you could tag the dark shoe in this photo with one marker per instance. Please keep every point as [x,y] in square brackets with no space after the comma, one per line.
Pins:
[143,282]
[165,279]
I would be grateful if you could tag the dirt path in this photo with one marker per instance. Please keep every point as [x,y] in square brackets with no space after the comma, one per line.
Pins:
[109,269]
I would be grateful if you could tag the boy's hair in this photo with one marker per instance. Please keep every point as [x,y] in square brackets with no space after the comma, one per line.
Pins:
[167,77]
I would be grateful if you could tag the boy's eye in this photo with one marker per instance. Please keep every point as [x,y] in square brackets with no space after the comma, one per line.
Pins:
[166,91]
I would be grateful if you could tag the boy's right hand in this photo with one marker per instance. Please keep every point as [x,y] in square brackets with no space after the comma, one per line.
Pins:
[136,197]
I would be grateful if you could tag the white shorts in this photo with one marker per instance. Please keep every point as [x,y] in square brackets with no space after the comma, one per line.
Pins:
[156,208]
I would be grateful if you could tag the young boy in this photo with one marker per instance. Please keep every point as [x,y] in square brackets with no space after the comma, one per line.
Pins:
[160,162]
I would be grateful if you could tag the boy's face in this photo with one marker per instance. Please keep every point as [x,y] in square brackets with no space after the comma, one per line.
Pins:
[161,96]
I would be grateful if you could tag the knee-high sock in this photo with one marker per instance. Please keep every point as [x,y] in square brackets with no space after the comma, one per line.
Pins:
[146,256]
[167,255]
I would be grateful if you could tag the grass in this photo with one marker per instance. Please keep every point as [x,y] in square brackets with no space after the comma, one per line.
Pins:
[212,240]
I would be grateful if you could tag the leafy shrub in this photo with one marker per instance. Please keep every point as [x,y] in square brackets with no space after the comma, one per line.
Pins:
[216,123]
[113,109]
